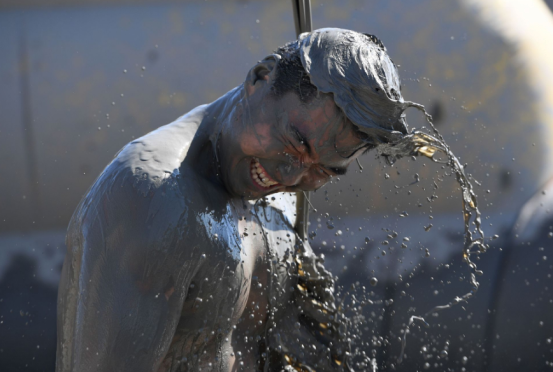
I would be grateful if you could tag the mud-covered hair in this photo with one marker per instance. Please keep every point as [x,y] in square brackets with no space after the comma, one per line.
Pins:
[356,68]
[292,77]
[290,74]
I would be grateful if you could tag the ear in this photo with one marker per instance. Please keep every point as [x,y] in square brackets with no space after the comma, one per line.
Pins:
[262,73]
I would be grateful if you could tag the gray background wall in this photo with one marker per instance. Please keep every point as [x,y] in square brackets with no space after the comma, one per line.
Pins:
[63,116]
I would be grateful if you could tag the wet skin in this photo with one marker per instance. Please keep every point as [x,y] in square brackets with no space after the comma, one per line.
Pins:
[300,146]
[174,261]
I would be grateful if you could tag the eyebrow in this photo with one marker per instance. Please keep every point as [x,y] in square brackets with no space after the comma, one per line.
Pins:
[302,138]
[340,171]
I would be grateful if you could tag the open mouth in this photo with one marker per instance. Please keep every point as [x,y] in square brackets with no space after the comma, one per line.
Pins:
[260,176]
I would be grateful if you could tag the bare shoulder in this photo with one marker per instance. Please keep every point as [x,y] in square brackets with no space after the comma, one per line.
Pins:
[130,258]
[157,155]
[139,195]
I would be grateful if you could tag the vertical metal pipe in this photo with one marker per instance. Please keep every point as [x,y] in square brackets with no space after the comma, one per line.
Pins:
[303,23]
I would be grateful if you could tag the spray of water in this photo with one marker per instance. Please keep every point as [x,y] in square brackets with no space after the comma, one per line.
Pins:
[419,143]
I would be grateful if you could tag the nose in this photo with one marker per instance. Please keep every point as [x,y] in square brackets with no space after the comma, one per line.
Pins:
[313,178]
[307,177]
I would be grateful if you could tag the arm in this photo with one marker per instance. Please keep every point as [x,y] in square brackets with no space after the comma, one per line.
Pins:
[124,279]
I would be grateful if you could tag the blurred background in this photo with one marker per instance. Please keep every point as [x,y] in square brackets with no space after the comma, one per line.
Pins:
[81,78]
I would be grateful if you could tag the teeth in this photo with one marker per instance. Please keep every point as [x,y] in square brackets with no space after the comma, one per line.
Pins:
[259,175]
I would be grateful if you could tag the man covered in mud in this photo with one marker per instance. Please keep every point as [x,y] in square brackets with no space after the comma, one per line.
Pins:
[183,256]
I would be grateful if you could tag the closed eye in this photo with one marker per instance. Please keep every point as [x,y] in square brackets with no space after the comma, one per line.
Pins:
[333,171]
[340,171]
[301,138]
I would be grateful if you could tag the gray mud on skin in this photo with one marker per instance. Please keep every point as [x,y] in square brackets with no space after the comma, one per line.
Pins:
[164,270]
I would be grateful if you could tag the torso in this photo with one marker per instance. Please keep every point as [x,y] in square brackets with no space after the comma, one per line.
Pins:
[234,264]
[237,245]
[224,317]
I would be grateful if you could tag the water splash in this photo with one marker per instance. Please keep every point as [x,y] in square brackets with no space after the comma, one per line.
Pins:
[422,144]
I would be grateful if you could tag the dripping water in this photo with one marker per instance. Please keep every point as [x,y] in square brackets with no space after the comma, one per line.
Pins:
[422,144]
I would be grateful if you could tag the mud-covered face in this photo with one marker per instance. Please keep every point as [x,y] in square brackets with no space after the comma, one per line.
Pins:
[284,145]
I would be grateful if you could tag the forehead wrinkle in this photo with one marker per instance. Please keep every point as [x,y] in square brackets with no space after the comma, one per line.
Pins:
[298,117]
[321,112]
[334,122]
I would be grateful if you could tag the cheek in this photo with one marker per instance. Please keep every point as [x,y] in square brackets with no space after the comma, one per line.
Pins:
[257,140]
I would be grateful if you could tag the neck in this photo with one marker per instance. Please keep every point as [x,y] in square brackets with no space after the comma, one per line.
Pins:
[206,143]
